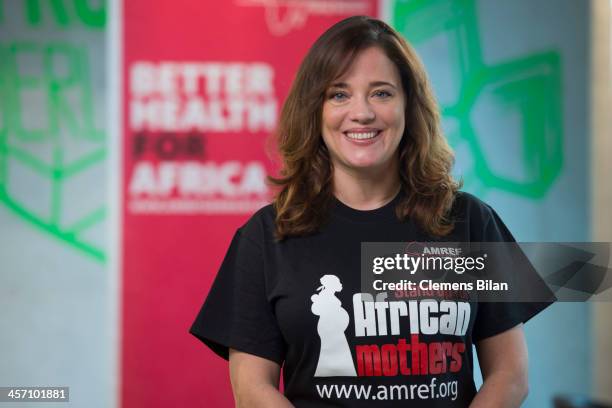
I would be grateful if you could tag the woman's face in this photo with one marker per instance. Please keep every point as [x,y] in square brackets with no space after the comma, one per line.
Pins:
[363,114]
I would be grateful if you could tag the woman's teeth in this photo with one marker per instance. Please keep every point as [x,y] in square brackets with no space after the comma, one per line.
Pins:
[361,135]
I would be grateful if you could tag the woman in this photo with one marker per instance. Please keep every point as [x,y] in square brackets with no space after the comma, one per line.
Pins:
[335,357]
[364,160]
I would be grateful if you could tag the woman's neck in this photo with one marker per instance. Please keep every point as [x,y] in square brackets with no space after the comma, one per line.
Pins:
[366,190]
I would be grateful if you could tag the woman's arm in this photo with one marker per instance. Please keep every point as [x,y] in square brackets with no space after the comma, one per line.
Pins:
[503,362]
[255,381]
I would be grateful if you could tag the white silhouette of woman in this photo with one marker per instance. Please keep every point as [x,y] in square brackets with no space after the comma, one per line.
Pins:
[335,357]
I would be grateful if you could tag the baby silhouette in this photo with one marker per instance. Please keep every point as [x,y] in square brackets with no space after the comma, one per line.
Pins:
[335,358]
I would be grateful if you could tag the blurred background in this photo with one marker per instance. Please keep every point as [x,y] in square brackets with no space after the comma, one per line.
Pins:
[134,141]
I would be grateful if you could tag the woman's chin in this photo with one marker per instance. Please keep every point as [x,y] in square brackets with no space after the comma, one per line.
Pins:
[365,165]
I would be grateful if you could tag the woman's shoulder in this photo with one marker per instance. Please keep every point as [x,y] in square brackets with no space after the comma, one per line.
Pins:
[479,218]
[468,206]
[260,226]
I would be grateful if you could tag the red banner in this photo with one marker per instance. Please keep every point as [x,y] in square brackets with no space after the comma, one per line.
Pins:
[203,83]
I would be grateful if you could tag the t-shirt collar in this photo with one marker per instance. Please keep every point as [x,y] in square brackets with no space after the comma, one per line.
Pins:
[384,213]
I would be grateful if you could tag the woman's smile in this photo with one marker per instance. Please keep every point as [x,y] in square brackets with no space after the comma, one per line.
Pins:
[363,114]
[363,136]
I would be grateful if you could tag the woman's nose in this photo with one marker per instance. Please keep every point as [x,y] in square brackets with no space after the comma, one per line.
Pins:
[361,111]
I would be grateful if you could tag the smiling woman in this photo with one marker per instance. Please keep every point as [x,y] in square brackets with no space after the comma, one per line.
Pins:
[364,160]
[363,117]
[361,107]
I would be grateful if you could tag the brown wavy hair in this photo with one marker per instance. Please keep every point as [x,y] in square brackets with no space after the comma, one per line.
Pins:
[305,183]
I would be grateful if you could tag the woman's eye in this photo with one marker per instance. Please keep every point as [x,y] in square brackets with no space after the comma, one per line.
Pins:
[382,94]
[337,96]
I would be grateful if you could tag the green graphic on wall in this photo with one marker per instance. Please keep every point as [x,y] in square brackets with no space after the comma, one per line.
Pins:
[52,145]
[527,89]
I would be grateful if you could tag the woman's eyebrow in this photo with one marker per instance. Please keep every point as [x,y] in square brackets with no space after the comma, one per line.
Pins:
[339,85]
[344,85]
[382,83]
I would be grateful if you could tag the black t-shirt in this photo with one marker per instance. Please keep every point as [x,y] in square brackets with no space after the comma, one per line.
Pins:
[298,303]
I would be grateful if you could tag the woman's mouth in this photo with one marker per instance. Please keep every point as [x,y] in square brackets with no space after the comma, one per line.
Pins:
[362,135]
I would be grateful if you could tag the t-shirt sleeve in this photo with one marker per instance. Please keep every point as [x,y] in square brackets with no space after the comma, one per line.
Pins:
[236,313]
[496,317]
